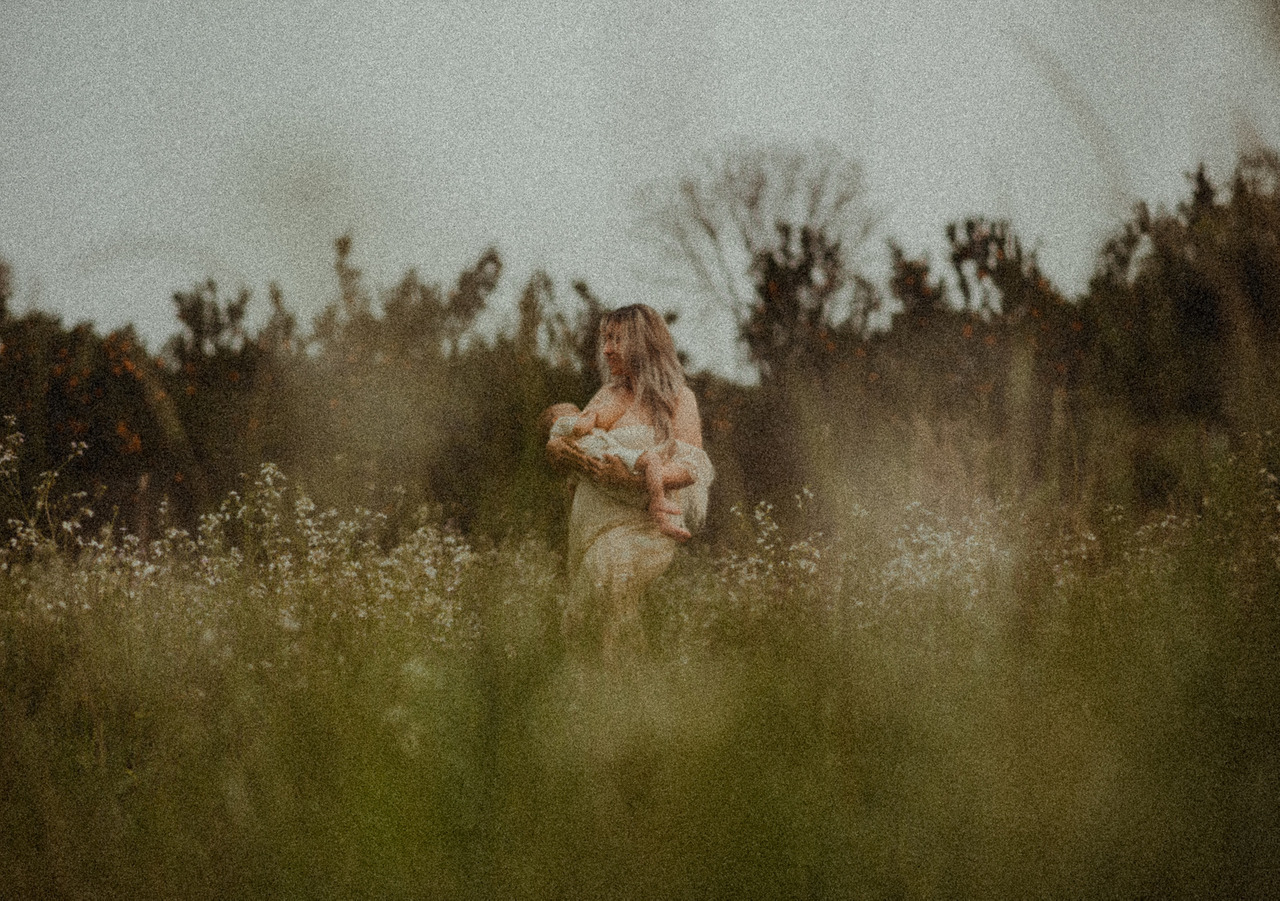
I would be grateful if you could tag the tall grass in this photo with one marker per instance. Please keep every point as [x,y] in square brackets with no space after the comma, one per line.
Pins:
[289,703]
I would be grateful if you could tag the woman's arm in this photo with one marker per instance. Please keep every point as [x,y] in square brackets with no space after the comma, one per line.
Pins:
[686,424]
[565,457]
[613,473]
[562,453]
[686,427]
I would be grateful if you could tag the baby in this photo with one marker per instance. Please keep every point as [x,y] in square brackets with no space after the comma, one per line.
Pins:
[589,431]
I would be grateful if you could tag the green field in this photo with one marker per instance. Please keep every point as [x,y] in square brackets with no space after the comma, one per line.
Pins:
[984,704]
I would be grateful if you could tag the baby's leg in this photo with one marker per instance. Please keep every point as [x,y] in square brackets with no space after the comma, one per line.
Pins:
[660,509]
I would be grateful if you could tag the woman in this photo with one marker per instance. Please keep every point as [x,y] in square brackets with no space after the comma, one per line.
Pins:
[615,548]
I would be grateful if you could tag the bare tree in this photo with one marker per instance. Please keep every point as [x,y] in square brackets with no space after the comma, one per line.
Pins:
[740,215]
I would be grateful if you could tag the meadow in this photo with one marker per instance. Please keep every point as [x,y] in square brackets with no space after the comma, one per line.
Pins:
[1009,627]
[982,701]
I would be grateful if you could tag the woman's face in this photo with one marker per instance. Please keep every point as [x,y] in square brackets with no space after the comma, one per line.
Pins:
[614,357]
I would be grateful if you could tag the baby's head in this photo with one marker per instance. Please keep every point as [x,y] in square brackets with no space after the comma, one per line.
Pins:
[554,412]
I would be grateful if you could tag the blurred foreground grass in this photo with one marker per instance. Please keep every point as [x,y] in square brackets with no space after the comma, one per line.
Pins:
[984,705]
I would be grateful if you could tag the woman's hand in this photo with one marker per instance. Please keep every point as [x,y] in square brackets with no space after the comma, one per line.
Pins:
[565,456]
[611,472]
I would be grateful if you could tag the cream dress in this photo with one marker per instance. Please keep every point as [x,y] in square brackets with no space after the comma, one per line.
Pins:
[615,550]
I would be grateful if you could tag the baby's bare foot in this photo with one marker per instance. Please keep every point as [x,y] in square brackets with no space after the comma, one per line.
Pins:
[661,513]
[671,530]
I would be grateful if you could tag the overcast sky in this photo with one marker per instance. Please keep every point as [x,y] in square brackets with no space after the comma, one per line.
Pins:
[146,145]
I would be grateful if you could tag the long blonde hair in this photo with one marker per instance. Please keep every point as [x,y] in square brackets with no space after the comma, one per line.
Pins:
[653,370]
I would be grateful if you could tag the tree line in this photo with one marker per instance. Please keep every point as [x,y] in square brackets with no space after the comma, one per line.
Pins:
[988,380]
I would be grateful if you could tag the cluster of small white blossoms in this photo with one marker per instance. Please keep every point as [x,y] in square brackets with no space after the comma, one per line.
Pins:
[1235,526]
[270,546]
[958,560]
[313,561]
[1269,494]
[1075,550]
[931,552]
[1150,544]
[45,522]
[773,564]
